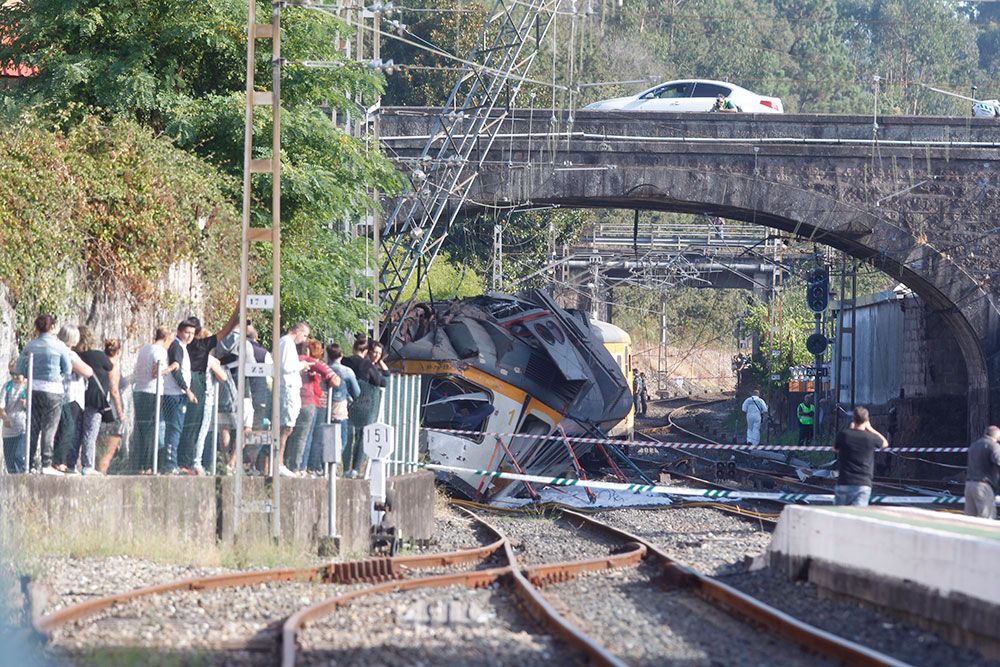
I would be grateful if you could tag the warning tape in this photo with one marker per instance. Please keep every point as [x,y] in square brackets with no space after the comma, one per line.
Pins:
[683,492]
[694,445]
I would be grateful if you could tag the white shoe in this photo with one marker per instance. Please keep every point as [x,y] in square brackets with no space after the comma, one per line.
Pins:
[88,471]
[198,470]
[49,470]
[285,472]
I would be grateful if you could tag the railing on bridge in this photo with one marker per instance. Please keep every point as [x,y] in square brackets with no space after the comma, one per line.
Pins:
[714,233]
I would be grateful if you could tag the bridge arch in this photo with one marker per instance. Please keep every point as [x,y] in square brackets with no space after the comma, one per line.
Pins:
[952,292]
[917,204]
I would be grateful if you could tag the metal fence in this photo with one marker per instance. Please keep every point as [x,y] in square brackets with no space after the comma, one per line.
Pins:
[400,408]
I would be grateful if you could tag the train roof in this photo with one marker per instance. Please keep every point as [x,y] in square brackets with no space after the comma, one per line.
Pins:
[609,333]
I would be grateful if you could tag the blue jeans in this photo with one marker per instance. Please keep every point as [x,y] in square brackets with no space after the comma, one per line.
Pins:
[46,411]
[852,494]
[13,453]
[88,426]
[174,409]
[316,454]
[307,453]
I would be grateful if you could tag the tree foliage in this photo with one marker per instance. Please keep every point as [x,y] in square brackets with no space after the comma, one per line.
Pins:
[109,202]
[178,67]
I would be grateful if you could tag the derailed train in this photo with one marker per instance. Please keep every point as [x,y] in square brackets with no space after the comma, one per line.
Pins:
[516,365]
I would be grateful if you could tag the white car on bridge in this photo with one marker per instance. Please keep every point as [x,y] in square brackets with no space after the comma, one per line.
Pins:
[691,95]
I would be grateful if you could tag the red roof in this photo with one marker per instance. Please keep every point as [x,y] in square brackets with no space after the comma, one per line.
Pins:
[9,69]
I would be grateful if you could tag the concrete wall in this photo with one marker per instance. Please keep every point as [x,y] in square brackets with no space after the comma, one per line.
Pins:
[114,315]
[938,570]
[410,513]
[303,512]
[907,361]
[124,509]
[199,510]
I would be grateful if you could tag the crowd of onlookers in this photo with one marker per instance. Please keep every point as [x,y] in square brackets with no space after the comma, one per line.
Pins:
[185,402]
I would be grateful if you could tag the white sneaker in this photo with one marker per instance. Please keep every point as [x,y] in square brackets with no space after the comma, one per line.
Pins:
[49,470]
[285,472]
[198,470]
[88,471]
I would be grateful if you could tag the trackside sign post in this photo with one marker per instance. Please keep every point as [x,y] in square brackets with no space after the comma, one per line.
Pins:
[379,444]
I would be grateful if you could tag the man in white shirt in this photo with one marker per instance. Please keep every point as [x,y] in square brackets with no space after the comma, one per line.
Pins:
[291,383]
[755,409]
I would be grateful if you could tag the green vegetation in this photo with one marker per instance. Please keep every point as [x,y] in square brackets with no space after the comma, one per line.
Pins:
[817,55]
[109,201]
[447,279]
[178,68]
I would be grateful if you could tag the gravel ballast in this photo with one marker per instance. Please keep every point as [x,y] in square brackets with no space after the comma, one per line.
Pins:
[542,539]
[853,621]
[241,620]
[393,630]
[630,612]
[709,540]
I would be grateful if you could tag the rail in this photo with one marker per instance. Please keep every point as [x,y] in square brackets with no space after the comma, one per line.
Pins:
[750,609]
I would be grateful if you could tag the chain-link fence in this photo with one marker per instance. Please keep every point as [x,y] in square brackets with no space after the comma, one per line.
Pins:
[158,432]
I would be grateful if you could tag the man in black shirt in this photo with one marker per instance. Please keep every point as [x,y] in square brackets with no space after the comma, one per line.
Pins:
[197,420]
[856,447]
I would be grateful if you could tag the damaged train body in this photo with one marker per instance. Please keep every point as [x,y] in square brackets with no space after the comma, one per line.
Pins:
[513,373]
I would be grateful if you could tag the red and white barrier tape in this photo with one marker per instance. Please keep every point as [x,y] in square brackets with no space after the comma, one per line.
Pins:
[692,445]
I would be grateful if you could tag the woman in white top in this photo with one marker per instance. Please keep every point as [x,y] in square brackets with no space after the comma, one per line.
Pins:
[145,434]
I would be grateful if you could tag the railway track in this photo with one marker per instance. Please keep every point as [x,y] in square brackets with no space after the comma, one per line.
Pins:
[659,611]
[777,474]
[511,599]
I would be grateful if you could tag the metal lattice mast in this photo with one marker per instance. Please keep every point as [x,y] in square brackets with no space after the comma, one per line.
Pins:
[254,98]
[419,223]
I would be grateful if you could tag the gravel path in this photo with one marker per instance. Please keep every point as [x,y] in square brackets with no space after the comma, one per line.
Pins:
[454,531]
[445,626]
[69,581]
[537,539]
[642,622]
[855,622]
[709,540]
[226,624]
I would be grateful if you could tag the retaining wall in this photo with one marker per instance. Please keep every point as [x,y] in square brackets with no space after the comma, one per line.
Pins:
[198,511]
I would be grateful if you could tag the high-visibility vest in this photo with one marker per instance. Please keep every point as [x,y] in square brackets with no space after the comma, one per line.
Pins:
[806,413]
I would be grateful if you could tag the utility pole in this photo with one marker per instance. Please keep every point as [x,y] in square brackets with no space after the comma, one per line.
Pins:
[661,361]
[255,98]
[497,282]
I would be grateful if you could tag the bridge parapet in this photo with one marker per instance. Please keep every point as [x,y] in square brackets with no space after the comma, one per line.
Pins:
[418,122]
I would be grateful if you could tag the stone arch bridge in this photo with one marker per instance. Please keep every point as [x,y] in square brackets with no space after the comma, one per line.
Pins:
[916,197]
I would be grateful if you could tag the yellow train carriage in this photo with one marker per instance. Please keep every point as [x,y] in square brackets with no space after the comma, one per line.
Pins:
[619,344]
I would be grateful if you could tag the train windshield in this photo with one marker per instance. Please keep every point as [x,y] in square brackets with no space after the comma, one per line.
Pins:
[466,412]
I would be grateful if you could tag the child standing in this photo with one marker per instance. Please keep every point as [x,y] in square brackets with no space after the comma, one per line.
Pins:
[13,412]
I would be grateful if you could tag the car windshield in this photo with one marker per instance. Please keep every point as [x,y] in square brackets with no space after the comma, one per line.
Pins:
[711,90]
[670,91]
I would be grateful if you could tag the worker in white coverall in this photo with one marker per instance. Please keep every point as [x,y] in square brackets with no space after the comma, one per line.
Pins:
[755,408]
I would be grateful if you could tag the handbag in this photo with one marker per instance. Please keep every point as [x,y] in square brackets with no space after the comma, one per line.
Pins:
[108,413]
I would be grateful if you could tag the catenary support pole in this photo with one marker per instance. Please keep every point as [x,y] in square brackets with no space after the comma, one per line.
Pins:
[156,418]
[276,265]
[27,418]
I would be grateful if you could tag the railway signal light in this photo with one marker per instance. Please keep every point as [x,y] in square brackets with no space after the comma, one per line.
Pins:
[817,344]
[817,290]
